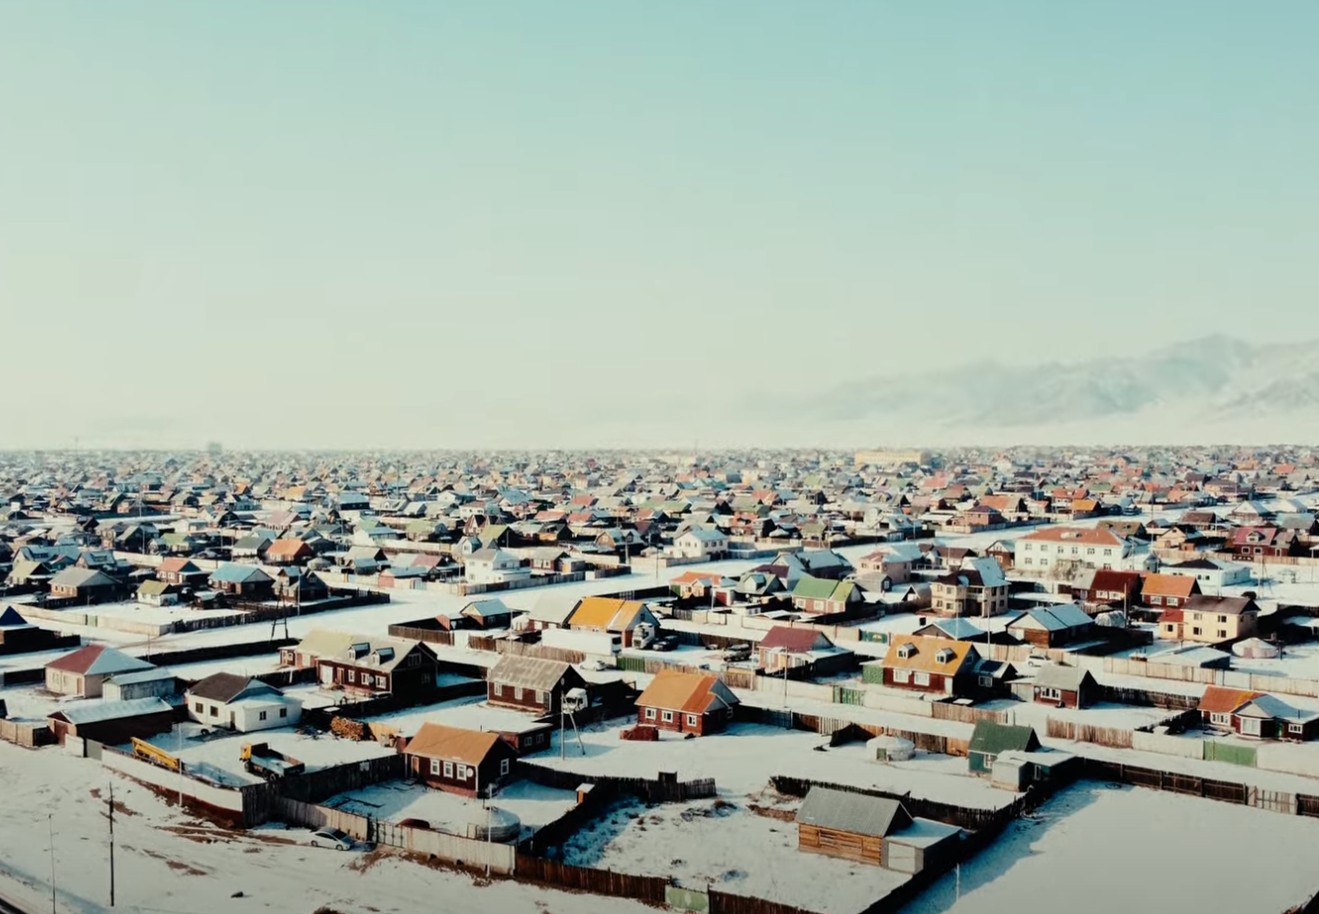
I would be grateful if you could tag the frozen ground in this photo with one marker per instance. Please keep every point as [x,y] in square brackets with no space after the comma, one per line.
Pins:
[743,760]
[169,864]
[217,755]
[536,806]
[729,847]
[1097,849]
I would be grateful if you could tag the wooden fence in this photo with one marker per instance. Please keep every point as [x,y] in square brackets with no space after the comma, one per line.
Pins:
[646,889]
[1114,737]
[661,790]
[966,714]
[1210,788]
[969,818]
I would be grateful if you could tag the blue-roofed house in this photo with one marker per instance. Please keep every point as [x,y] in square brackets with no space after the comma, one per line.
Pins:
[246,581]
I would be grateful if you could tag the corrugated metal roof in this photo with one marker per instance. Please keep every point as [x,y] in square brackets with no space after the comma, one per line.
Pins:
[97,711]
[854,813]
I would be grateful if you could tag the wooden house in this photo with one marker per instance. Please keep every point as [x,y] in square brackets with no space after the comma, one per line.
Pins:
[466,762]
[686,703]
[931,665]
[871,829]
[531,684]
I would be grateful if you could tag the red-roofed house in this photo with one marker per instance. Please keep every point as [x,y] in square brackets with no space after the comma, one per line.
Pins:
[686,703]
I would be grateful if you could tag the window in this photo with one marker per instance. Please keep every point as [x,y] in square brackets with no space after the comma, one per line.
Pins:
[1108,552]
[503,767]
[668,717]
[435,766]
[1090,551]
[1197,631]
[1051,693]
[1029,560]
[448,769]
[650,714]
[261,715]
[496,690]
[283,712]
[691,720]
[922,679]
[1297,729]
[1044,562]
[352,675]
[1222,620]
[986,681]
[517,694]
[902,675]
[1222,633]
[198,707]
[460,772]
[215,712]
[1219,718]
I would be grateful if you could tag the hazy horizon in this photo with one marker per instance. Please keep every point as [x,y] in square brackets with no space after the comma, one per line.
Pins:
[404,226]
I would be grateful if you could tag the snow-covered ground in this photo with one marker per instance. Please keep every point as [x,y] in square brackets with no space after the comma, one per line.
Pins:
[535,805]
[172,864]
[1097,849]
[744,759]
[217,755]
[727,846]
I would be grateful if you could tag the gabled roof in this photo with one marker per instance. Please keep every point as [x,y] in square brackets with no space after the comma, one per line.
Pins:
[689,693]
[81,577]
[471,747]
[97,711]
[528,672]
[1169,585]
[993,738]
[605,612]
[1053,618]
[1057,676]
[229,687]
[854,813]
[97,660]
[1081,536]
[926,654]
[234,573]
[1222,700]
[1228,606]
[795,640]
[11,619]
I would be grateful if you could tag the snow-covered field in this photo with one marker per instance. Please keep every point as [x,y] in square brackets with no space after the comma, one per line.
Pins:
[727,846]
[1098,849]
[743,760]
[172,864]
[535,805]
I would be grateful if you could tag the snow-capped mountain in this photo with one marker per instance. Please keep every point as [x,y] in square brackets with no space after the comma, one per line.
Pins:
[1215,389]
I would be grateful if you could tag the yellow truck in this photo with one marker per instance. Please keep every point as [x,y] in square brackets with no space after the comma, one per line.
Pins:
[155,755]
[260,759]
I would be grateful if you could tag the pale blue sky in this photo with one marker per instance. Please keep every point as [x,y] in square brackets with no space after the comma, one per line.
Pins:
[441,224]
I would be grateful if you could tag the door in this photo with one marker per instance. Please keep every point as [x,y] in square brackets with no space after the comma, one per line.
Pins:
[327,675]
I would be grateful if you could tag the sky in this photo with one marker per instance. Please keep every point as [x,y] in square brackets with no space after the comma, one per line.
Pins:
[459,224]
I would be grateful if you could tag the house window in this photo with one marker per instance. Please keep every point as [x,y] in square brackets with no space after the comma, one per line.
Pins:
[922,679]
[986,681]
[1196,631]
[1090,551]
[1296,729]
[496,690]
[503,767]
[517,694]
[460,772]
[1218,718]
[283,712]
[1108,552]
[215,712]
[198,707]
[352,675]
[901,675]
[435,766]
[448,769]
[650,714]
[1222,633]
[1050,693]
[668,717]
[691,720]
[1029,560]
[261,715]
[1222,620]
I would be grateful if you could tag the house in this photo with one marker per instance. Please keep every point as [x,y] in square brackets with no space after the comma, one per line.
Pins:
[1212,573]
[872,829]
[85,585]
[954,628]
[930,665]
[470,763]
[251,546]
[1210,620]
[152,683]
[487,614]
[246,581]
[1256,714]
[700,542]
[531,684]
[1044,550]
[494,566]
[289,551]
[112,723]
[620,618]
[83,672]
[978,589]
[989,739]
[365,665]
[1064,686]
[1053,626]
[1114,588]
[818,563]
[894,564]
[1169,591]
[1258,544]
[158,593]
[181,572]
[686,703]
[240,703]
[294,584]
[805,649]
[825,597]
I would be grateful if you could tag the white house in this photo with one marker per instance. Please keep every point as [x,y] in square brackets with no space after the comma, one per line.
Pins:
[1211,573]
[494,566]
[240,703]
[1044,551]
[700,543]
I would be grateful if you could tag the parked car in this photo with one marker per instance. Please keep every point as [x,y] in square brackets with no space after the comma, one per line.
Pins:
[332,837]
[666,643]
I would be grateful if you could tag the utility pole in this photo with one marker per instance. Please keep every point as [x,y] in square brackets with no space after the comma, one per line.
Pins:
[111,804]
[50,821]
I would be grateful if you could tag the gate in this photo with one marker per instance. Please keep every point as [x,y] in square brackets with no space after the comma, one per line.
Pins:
[844,696]
[386,834]
[1231,753]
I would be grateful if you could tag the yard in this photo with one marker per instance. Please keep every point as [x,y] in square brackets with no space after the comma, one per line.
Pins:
[731,847]
[536,806]
[1095,849]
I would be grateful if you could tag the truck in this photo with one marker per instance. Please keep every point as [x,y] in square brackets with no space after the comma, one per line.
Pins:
[155,755]
[271,764]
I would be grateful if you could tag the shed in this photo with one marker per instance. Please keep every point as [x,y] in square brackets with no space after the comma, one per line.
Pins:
[989,739]
[850,825]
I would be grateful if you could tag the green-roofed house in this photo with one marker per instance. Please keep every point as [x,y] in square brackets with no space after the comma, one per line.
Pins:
[989,739]
[823,597]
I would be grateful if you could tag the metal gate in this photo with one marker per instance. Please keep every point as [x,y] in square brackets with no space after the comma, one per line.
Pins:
[844,696]
[1232,753]
[385,834]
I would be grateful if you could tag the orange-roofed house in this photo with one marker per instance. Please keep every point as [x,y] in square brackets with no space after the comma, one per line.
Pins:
[1168,591]
[1256,714]
[619,618]
[467,762]
[289,551]
[686,703]
[926,664]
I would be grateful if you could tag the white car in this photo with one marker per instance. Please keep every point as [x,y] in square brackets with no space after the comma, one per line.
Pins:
[332,837]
